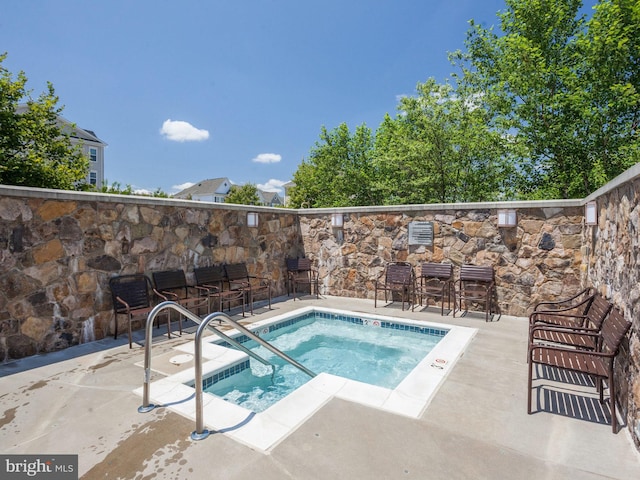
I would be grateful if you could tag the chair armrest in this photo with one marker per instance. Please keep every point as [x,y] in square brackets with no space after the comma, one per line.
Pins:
[123,303]
[209,288]
[593,333]
[532,317]
[559,348]
[202,290]
[165,295]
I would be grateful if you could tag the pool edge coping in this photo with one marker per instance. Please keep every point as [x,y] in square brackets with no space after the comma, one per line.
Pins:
[265,430]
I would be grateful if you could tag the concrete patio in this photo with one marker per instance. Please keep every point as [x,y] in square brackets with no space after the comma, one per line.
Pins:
[81,401]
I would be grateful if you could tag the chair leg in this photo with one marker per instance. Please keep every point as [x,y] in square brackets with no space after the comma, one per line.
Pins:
[169,324]
[612,400]
[529,386]
[130,342]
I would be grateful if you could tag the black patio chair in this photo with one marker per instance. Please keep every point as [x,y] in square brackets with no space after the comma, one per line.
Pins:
[132,296]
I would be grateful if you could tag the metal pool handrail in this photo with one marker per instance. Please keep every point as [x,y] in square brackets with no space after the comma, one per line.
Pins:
[146,406]
[202,324]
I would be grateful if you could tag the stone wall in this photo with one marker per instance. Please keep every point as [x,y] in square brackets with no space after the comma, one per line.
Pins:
[58,250]
[613,267]
[539,259]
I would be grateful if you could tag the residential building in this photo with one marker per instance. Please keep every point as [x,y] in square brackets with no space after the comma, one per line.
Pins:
[92,147]
[217,189]
[287,187]
[270,199]
[212,190]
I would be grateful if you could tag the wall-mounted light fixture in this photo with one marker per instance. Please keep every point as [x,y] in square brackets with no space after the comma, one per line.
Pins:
[507,218]
[591,213]
[337,220]
[252,219]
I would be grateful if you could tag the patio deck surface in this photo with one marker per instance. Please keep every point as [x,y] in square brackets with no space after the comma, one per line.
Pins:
[81,401]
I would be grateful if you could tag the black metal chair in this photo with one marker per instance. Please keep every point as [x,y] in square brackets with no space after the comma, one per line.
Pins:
[398,279]
[172,285]
[597,364]
[132,295]
[301,272]
[211,281]
[238,279]
[436,281]
[475,285]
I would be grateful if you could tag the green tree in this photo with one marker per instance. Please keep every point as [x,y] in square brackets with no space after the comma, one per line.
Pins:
[441,148]
[116,188]
[246,194]
[34,150]
[566,89]
[338,172]
[611,49]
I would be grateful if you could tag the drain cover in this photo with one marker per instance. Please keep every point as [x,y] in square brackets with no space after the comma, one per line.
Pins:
[180,359]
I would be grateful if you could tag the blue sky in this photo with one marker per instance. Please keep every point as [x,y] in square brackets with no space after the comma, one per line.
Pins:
[190,90]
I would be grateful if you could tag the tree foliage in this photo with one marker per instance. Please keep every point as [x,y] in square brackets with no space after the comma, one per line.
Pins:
[246,194]
[116,188]
[547,108]
[441,147]
[567,88]
[339,170]
[34,150]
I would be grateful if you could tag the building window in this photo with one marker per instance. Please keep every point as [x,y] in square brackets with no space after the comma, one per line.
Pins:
[93,178]
[93,154]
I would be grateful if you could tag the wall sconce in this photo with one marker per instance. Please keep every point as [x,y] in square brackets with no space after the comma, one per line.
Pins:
[591,213]
[507,218]
[252,219]
[337,220]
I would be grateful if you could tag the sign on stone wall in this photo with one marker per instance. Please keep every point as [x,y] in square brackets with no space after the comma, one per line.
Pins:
[421,233]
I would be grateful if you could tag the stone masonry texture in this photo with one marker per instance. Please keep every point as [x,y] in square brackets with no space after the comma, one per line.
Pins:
[59,249]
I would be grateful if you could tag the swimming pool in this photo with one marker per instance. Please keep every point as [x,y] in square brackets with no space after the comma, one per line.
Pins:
[373,352]
[262,431]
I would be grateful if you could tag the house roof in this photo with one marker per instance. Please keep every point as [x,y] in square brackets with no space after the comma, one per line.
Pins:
[268,197]
[69,127]
[206,187]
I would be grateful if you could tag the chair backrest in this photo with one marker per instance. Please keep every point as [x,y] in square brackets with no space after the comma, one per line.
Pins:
[580,302]
[292,264]
[442,271]
[170,280]
[304,264]
[614,329]
[476,273]
[209,275]
[399,272]
[236,271]
[598,311]
[133,289]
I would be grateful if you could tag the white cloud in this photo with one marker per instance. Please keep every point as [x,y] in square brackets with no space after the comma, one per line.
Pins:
[272,185]
[180,131]
[182,186]
[267,158]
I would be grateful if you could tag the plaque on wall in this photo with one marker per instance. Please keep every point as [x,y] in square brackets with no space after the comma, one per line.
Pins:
[421,233]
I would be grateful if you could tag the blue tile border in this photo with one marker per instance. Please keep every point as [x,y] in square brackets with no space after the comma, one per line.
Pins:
[226,373]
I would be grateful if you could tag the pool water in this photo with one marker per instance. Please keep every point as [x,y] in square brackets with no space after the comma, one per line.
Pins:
[370,354]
